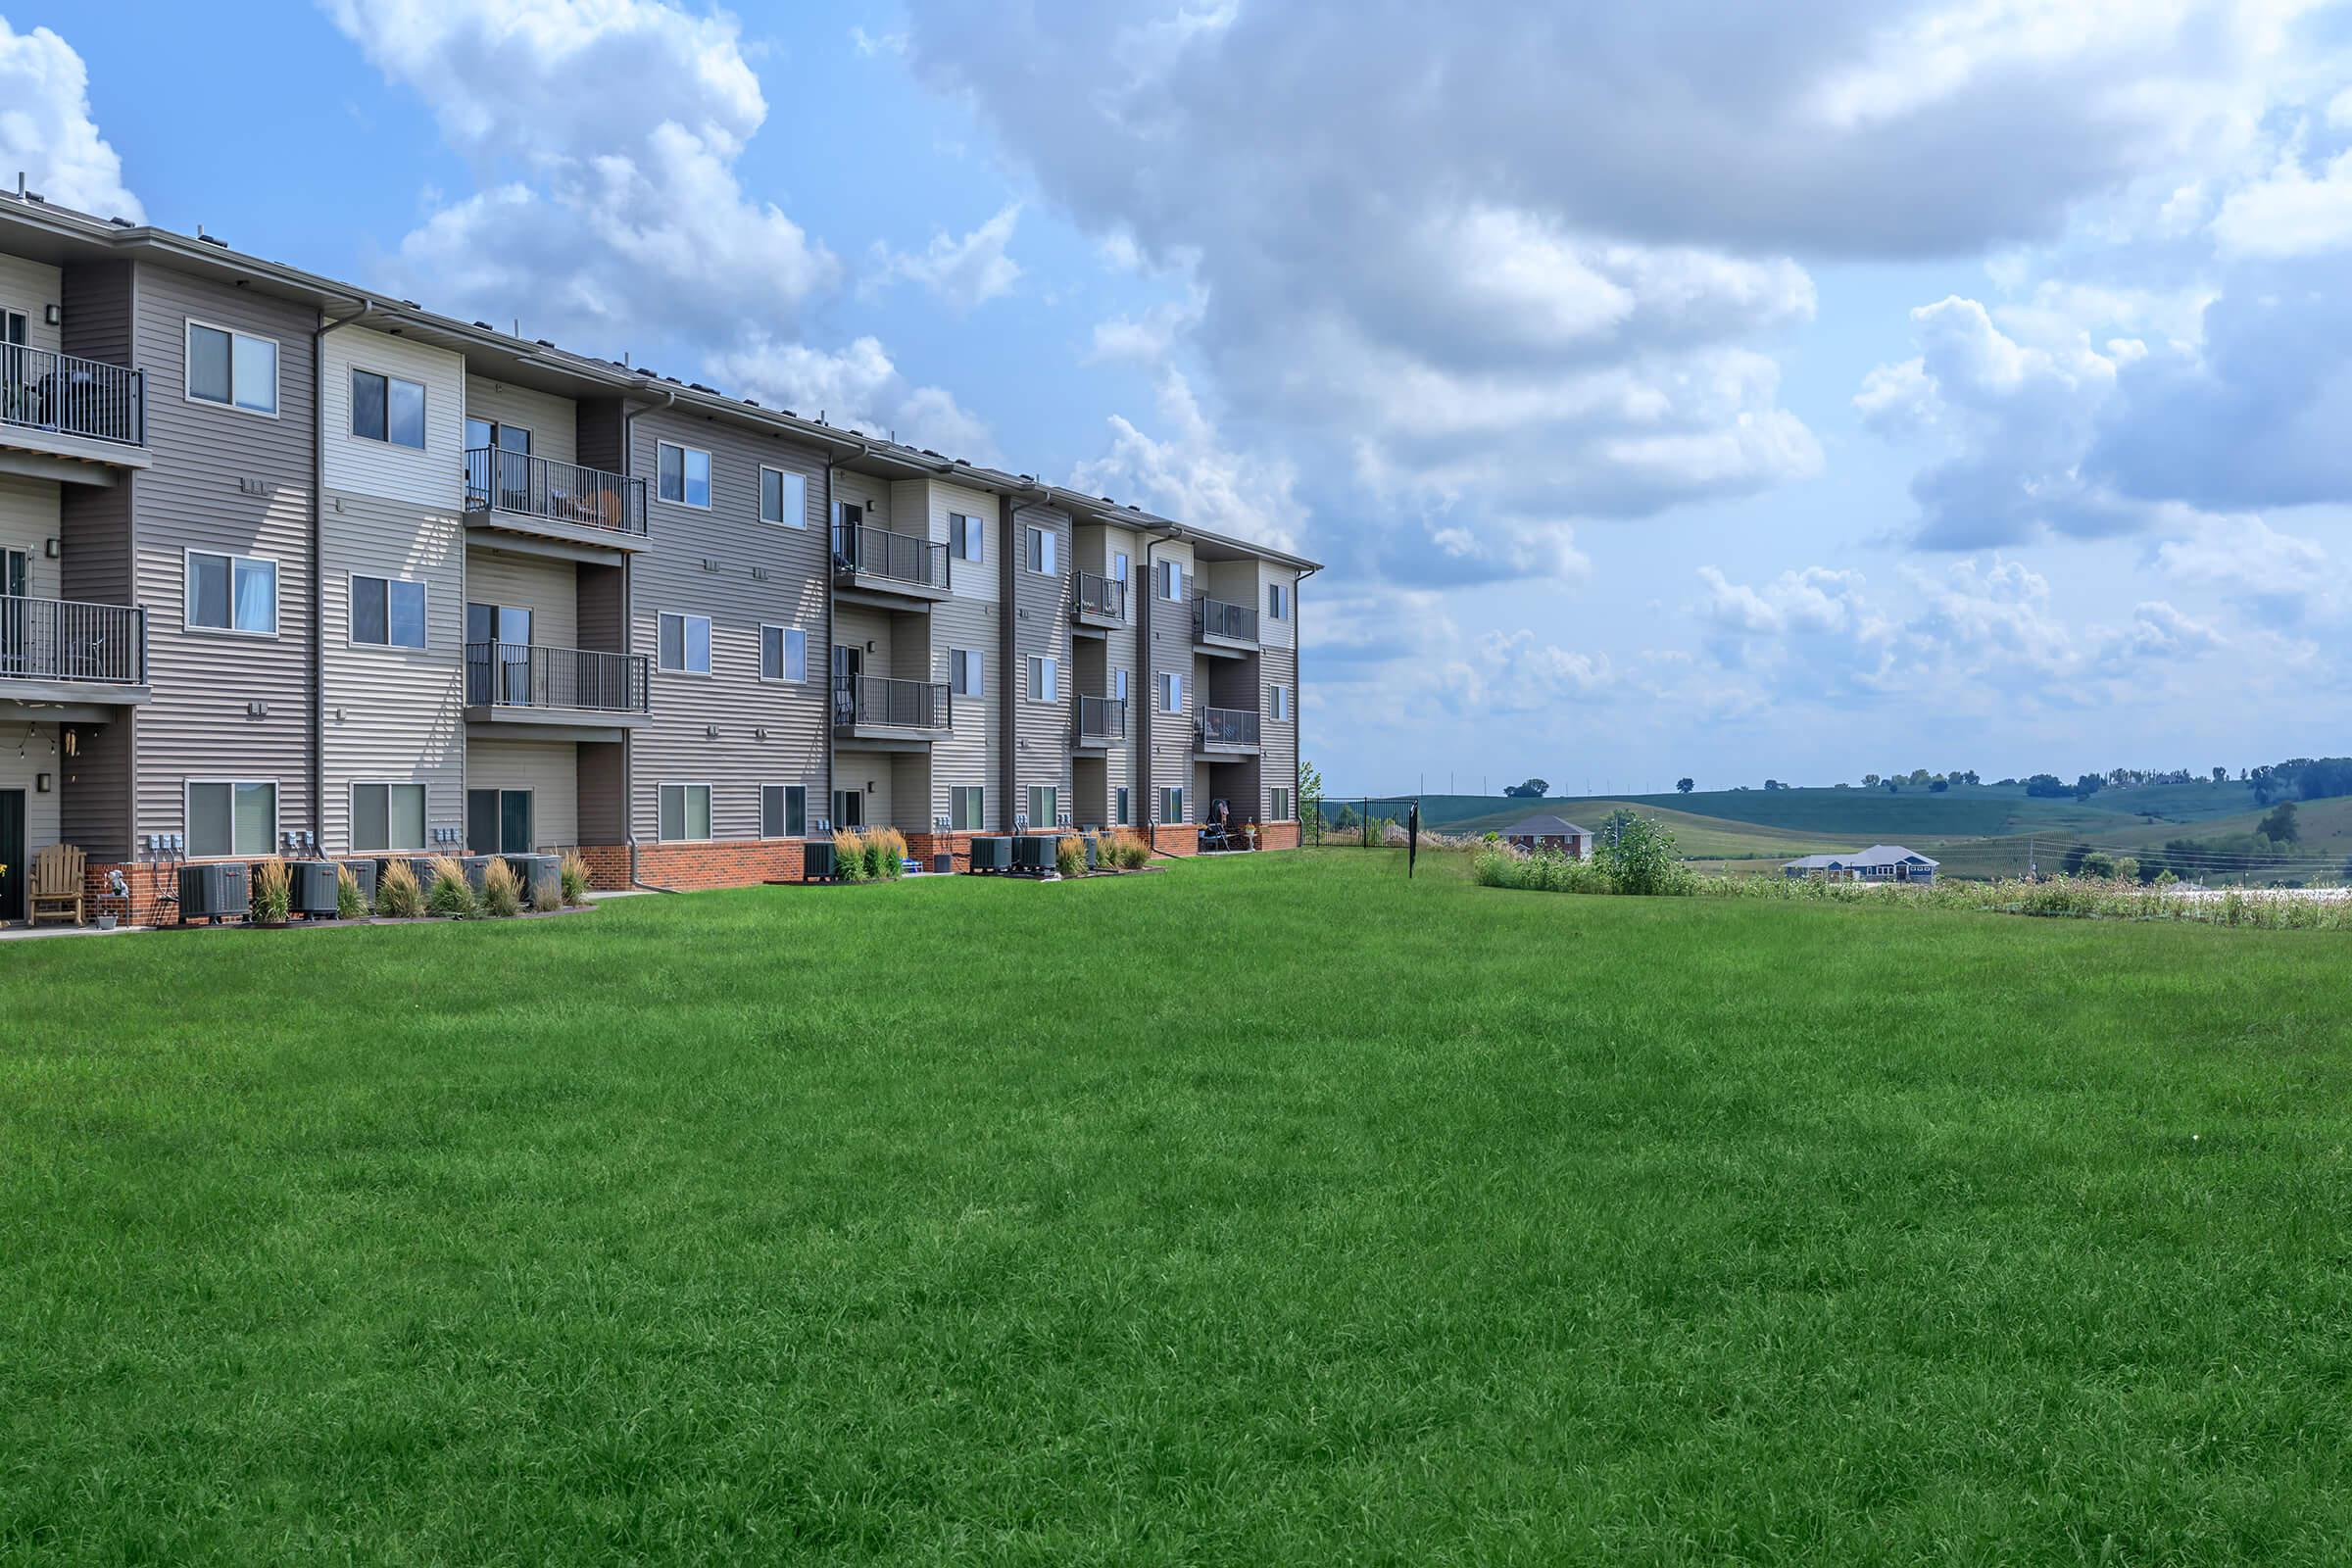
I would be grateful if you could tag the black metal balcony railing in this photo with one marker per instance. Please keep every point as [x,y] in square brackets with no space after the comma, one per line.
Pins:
[899,557]
[46,391]
[879,702]
[1098,595]
[1228,726]
[526,675]
[499,480]
[58,639]
[1101,718]
[1214,617]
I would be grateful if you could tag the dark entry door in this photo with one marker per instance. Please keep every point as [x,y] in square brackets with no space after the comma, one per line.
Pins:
[12,855]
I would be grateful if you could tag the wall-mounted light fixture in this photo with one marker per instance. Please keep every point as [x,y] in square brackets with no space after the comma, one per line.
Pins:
[49,548]
[51,314]
[42,783]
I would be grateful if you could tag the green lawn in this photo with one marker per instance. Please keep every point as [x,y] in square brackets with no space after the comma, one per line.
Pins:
[1268,1212]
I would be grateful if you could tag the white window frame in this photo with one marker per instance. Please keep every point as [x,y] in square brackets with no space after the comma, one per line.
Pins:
[786,825]
[187,367]
[1171,684]
[1053,812]
[966,539]
[425,404]
[791,477]
[351,823]
[709,810]
[1278,601]
[187,823]
[1042,553]
[979,803]
[685,645]
[786,677]
[1045,669]
[351,609]
[1170,589]
[1118,806]
[709,475]
[1171,803]
[1277,703]
[1283,808]
[187,594]
[1118,685]
[975,672]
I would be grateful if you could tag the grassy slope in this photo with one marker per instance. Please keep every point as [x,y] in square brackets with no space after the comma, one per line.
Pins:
[1864,815]
[1275,1210]
[1696,835]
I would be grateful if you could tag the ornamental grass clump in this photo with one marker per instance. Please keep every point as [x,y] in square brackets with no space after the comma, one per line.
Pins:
[1069,856]
[451,897]
[502,890]
[575,879]
[849,856]
[1127,852]
[398,894]
[273,893]
[885,854]
[348,906]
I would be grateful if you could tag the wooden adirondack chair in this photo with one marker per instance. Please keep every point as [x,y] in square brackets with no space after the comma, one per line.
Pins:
[56,885]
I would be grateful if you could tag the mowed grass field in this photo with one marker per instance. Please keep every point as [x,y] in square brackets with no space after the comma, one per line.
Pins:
[1275,1210]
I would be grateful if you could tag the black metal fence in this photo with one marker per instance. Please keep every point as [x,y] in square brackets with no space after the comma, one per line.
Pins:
[1362,822]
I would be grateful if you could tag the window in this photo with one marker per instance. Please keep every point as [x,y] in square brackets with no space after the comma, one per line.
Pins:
[1118,685]
[232,593]
[499,822]
[684,813]
[1171,691]
[783,810]
[1278,601]
[1118,565]
[1118,814]
[387,817]
[1278,703]
[685,644]
[849,808]
[783,497]
[1045,806]
[783,653]
[231,816]
[1045,680]
[685,475]
[230,369]
[1282,804]
[387,612]
[384,408]
[1171,579]
[964,540]
[965,667]
[1041,550]
[1171,805]
[965,809]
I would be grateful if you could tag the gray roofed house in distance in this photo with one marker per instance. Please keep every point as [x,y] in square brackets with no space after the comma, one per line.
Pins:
[1881,863]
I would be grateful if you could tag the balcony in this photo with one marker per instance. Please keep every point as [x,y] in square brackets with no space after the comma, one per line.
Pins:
[898,714]
[555,509]
[1100,602]
[1220,627]
[87,659]
[68,419]
[523,691]
[1227,732]
[1102,721]
[889,568]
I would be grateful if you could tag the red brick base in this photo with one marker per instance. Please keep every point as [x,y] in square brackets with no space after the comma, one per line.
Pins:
[920,846]
[1176,838]
[722,864]
[148,885]
[1278,835]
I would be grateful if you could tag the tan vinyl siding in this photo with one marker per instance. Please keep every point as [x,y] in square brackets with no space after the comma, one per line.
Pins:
[549,589]
[1041,628]
[703,563]
[1274,633]
[429,477]
[855,770]
[28,520]
[30,287]
[222,479]
[550,770]
[969,579]
[394,714]
[554,421]
[1278,764]
[968,754]
[1170,647]
[862,489]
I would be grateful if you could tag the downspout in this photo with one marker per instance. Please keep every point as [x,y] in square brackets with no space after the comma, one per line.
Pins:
[317,649]
[628,762]
[1148,802]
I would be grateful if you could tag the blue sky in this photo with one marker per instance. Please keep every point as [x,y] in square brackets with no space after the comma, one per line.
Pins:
[1796,391]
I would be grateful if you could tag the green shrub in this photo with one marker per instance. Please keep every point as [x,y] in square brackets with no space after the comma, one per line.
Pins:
[1069,856]
[398,893]
[348,906]
[502,890]
[1639,858]
[451,897]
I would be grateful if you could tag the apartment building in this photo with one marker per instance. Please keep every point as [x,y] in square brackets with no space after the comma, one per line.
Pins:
[290,568]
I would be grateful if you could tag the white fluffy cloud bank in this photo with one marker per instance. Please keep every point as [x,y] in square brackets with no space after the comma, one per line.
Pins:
[46,129]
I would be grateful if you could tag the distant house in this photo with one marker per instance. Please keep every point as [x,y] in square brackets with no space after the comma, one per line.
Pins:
[1881,863]
[1549,833]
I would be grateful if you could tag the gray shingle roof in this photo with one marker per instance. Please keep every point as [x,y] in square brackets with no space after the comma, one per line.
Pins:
[1876,855]
[1543,827]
